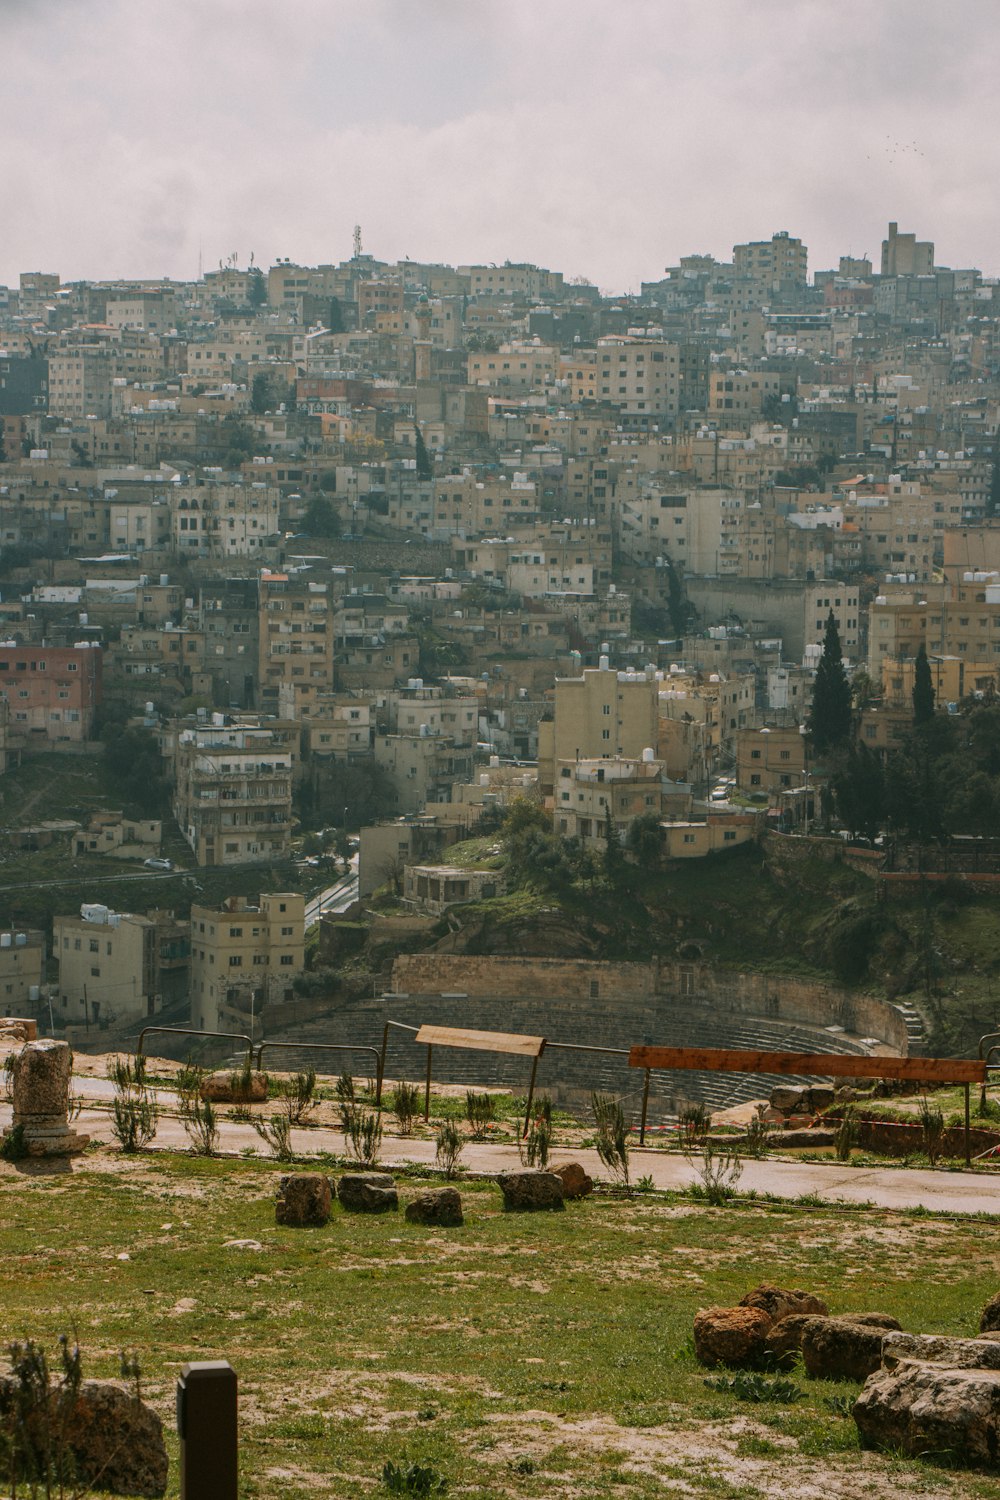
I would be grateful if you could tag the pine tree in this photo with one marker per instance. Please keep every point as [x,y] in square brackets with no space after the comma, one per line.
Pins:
[830,720]
[923,688]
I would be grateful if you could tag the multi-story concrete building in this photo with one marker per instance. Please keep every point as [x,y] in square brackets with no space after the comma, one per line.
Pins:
[52,691]
[641,376]
[229,619]
[601,715]
[244,957]
[772,264]
[770,759]
[22,971]
[107,965]
[233,792]
[296,643]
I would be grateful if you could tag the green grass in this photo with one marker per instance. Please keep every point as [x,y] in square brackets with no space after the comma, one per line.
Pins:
[376,1340]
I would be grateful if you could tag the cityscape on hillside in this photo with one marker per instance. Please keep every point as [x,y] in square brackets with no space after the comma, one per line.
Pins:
[328,575]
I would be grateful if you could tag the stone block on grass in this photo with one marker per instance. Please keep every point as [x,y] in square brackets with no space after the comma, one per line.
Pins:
[530,1191]
[368,1192]
[576,1182]
[440,1207]
[848,1348]
[303,1201]
[932,1411]
[731,1336]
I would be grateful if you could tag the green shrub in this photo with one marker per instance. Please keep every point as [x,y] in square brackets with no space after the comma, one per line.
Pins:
[406,1105]
[449,1144]
[480,1111]
[612,1136]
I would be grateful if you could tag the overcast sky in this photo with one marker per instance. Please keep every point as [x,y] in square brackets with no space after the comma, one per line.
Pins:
[603,138]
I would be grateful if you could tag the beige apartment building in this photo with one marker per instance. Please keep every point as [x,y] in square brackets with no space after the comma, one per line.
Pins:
[589,792]
[296,643]
[244,957]
[770,759]
[107,965]
[601,715]
[22,971]
[641,376]
[781,260]
[233,792]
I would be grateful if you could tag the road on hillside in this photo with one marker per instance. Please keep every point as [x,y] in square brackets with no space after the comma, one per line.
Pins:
[337,897]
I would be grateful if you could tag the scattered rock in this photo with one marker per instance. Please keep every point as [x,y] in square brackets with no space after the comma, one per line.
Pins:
[524,1192]
[576,1183]
[114,1441]
[847,1348]
[932,1409]
[303,1201]
[733,1336]
[780,1303]
[439,1206]
[234,1245]
[932,1349]
[788,1098]
[990,1319]
[368,1192]
[784,1340]
[117,1441]
[821,1096]
[235,1088]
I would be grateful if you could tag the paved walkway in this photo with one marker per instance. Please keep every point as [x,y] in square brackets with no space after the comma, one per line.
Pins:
[886,1187]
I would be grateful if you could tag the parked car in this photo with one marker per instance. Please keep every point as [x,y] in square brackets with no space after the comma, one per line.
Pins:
[158,864]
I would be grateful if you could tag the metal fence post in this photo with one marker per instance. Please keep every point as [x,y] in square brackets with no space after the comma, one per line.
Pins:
[206,1426]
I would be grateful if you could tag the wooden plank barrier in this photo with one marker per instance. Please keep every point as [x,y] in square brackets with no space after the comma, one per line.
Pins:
[962,1070]
[811,1064]
[482,1041]
[508,1042]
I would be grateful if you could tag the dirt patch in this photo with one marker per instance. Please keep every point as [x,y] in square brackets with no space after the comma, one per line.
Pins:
[683,1458]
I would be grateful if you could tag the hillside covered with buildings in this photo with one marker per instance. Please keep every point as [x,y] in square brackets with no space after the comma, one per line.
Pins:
[594,625]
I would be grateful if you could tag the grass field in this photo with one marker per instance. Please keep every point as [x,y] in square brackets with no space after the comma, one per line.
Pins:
[520,1356]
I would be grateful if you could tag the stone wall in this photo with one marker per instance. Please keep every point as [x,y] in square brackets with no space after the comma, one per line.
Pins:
[625,1001]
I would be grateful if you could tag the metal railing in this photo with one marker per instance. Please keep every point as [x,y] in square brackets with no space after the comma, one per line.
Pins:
[231,1036]
[326,1047]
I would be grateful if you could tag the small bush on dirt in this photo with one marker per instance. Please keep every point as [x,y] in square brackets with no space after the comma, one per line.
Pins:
[344,1089]
[200,1123]
[846,1135]
[933,1127]
[448,1146]
[13,1146]
[718,1174]
[362,1132]
[612,1136]
[535,1147]
[276,1133]
[480,1111]
[695,1120]
[188,1082]
[299,1097]
[134,1111]
[756,1143]
[405,1105]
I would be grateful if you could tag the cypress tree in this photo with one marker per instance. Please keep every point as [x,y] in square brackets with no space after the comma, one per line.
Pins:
[830,719]
[424,469]
[923,688]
